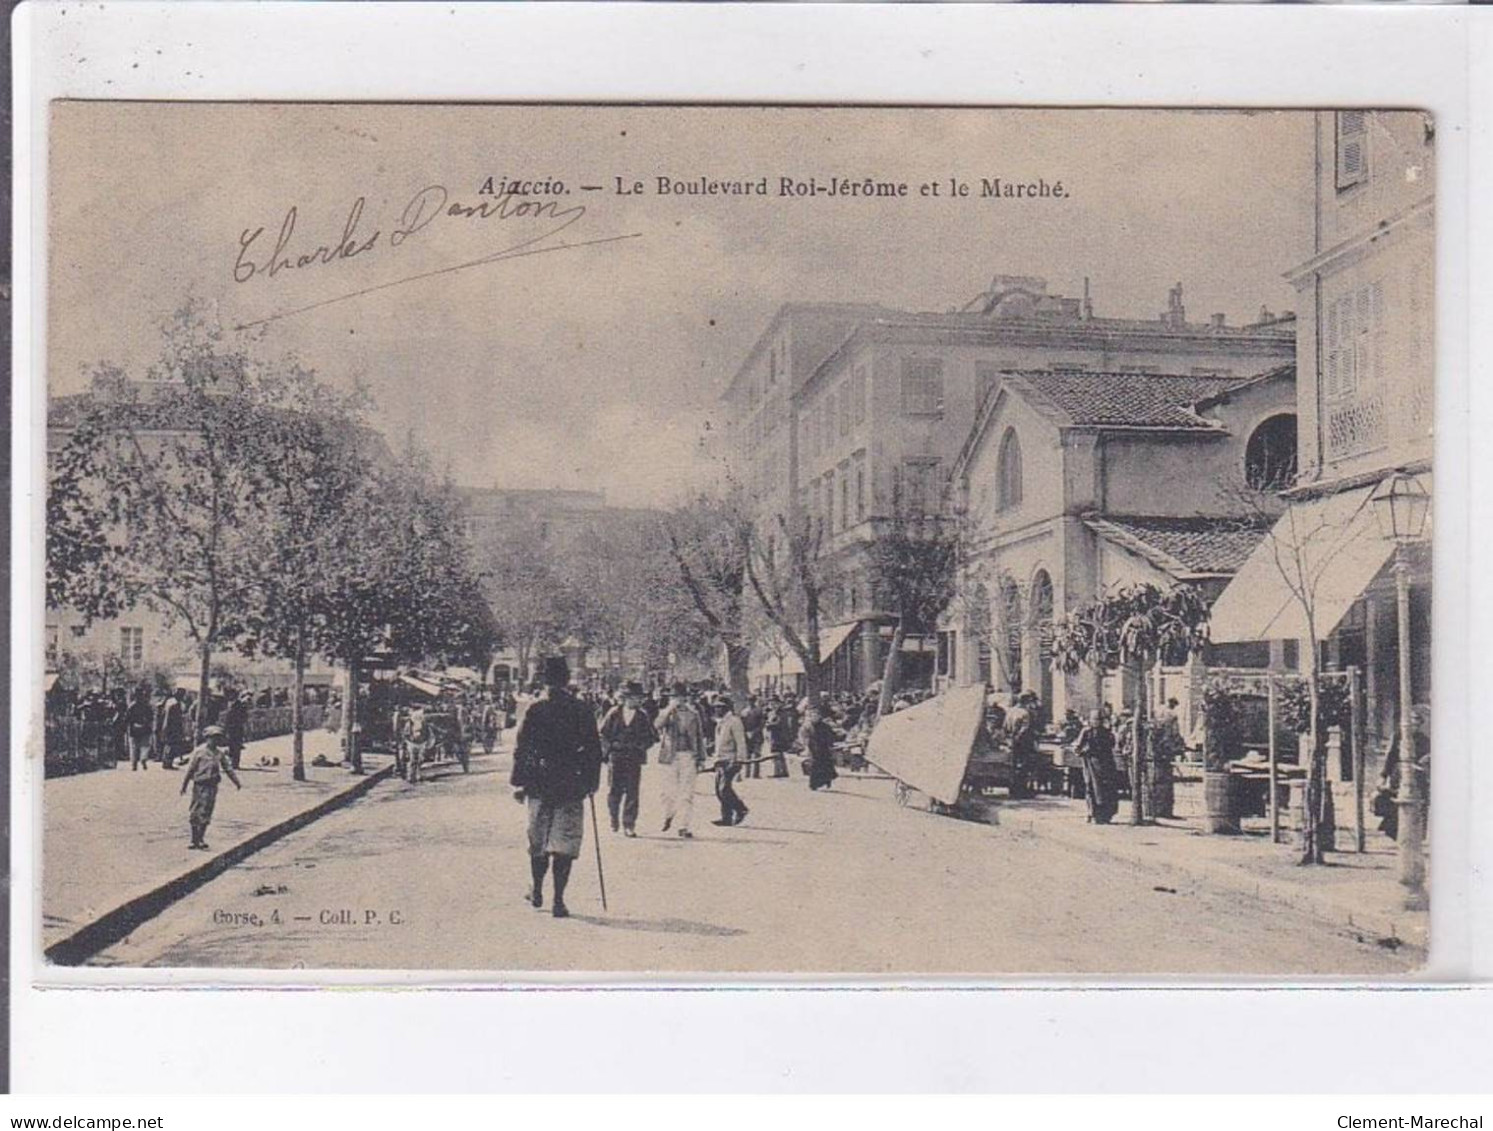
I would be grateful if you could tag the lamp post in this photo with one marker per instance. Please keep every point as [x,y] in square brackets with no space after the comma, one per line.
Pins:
[1401,505]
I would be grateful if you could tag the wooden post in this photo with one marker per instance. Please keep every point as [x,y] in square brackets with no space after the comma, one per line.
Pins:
[1356,737]
[1270,726]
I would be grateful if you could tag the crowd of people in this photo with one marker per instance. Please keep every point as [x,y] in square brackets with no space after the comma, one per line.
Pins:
[144,726]
[565,736]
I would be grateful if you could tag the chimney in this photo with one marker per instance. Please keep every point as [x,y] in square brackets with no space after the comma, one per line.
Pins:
[1219,321]
[1088,303]
[1265,316]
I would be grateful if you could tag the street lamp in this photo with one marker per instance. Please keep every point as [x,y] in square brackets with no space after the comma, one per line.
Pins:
[1401,505]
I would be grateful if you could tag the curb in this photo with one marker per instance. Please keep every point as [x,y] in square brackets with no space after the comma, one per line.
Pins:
[111,926]
[1402,927]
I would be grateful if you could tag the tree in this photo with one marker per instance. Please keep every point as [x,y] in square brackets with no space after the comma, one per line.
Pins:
[914,559]
[158,497]
[401,583]
[1132,627]
[709,539]
[530,602]
[322,459]
[1303,544]
[788,574]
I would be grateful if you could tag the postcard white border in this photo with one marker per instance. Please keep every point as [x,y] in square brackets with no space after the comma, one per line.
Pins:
[883,55]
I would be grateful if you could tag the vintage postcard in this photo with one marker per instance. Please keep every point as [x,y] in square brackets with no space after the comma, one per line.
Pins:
[738,542]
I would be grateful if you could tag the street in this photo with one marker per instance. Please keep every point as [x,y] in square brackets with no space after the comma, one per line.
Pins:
[844,881]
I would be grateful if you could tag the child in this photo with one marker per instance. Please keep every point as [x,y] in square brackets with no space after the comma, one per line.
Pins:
[205,769]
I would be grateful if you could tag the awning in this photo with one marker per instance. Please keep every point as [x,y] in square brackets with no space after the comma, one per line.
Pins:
[1328,549]
[425,687]
[766,661]
[767,664]
[831,639]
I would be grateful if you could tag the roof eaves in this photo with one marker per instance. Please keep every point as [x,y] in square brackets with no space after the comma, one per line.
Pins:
[1142,549]
[1247,383]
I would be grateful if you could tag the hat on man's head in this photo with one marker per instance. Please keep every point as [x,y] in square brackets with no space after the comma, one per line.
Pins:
[679,688]
[723,704]
[632,687]
[556,671]
[214,732]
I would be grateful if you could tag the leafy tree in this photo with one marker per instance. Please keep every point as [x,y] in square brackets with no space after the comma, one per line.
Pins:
[323,458]
[1133,627]
[402,583]
[158,496]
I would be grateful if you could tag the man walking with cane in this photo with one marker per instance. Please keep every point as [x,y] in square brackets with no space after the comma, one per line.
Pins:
[556,766]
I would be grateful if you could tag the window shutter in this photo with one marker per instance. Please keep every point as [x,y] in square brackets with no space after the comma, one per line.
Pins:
[1352,156]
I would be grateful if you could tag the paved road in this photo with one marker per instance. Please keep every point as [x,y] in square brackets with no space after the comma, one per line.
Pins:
[845,881]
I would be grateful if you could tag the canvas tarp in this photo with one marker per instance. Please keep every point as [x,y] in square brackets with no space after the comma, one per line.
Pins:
[928,746]
[425,687]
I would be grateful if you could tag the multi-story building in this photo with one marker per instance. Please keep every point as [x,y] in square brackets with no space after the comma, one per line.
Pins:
[885,401]
[1364,398]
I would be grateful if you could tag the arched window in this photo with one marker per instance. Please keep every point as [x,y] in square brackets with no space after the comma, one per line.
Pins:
[1008,472]
[1270,454]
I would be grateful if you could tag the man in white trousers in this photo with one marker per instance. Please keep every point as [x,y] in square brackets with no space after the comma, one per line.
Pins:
[681,748]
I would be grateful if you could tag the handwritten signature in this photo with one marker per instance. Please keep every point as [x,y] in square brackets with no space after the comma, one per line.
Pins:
[430,204]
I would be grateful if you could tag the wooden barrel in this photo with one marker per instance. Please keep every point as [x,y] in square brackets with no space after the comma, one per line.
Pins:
[1218,807]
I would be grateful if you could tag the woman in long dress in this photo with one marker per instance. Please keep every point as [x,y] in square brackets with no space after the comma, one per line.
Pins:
[818,738]
[1096,750]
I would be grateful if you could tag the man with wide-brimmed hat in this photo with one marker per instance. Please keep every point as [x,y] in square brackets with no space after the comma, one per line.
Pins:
[556,766]
[205,769]
[626,735]
[681,748]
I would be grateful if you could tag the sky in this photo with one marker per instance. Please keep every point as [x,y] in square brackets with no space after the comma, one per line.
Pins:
[599,365]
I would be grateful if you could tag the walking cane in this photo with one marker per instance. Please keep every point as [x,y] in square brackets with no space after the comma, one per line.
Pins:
[601,877]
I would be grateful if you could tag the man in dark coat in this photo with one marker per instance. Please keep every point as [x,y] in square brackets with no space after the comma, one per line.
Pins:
[1096,751]
[556,766]
[1021,731]
[139,720]
[236,726]
[626,734]
[171,731]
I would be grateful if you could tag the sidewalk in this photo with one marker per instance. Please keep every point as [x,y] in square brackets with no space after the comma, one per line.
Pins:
[115,841]
[1356,891]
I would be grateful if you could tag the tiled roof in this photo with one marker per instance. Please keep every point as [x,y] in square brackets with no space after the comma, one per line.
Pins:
[1187,546]
[1124,400]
